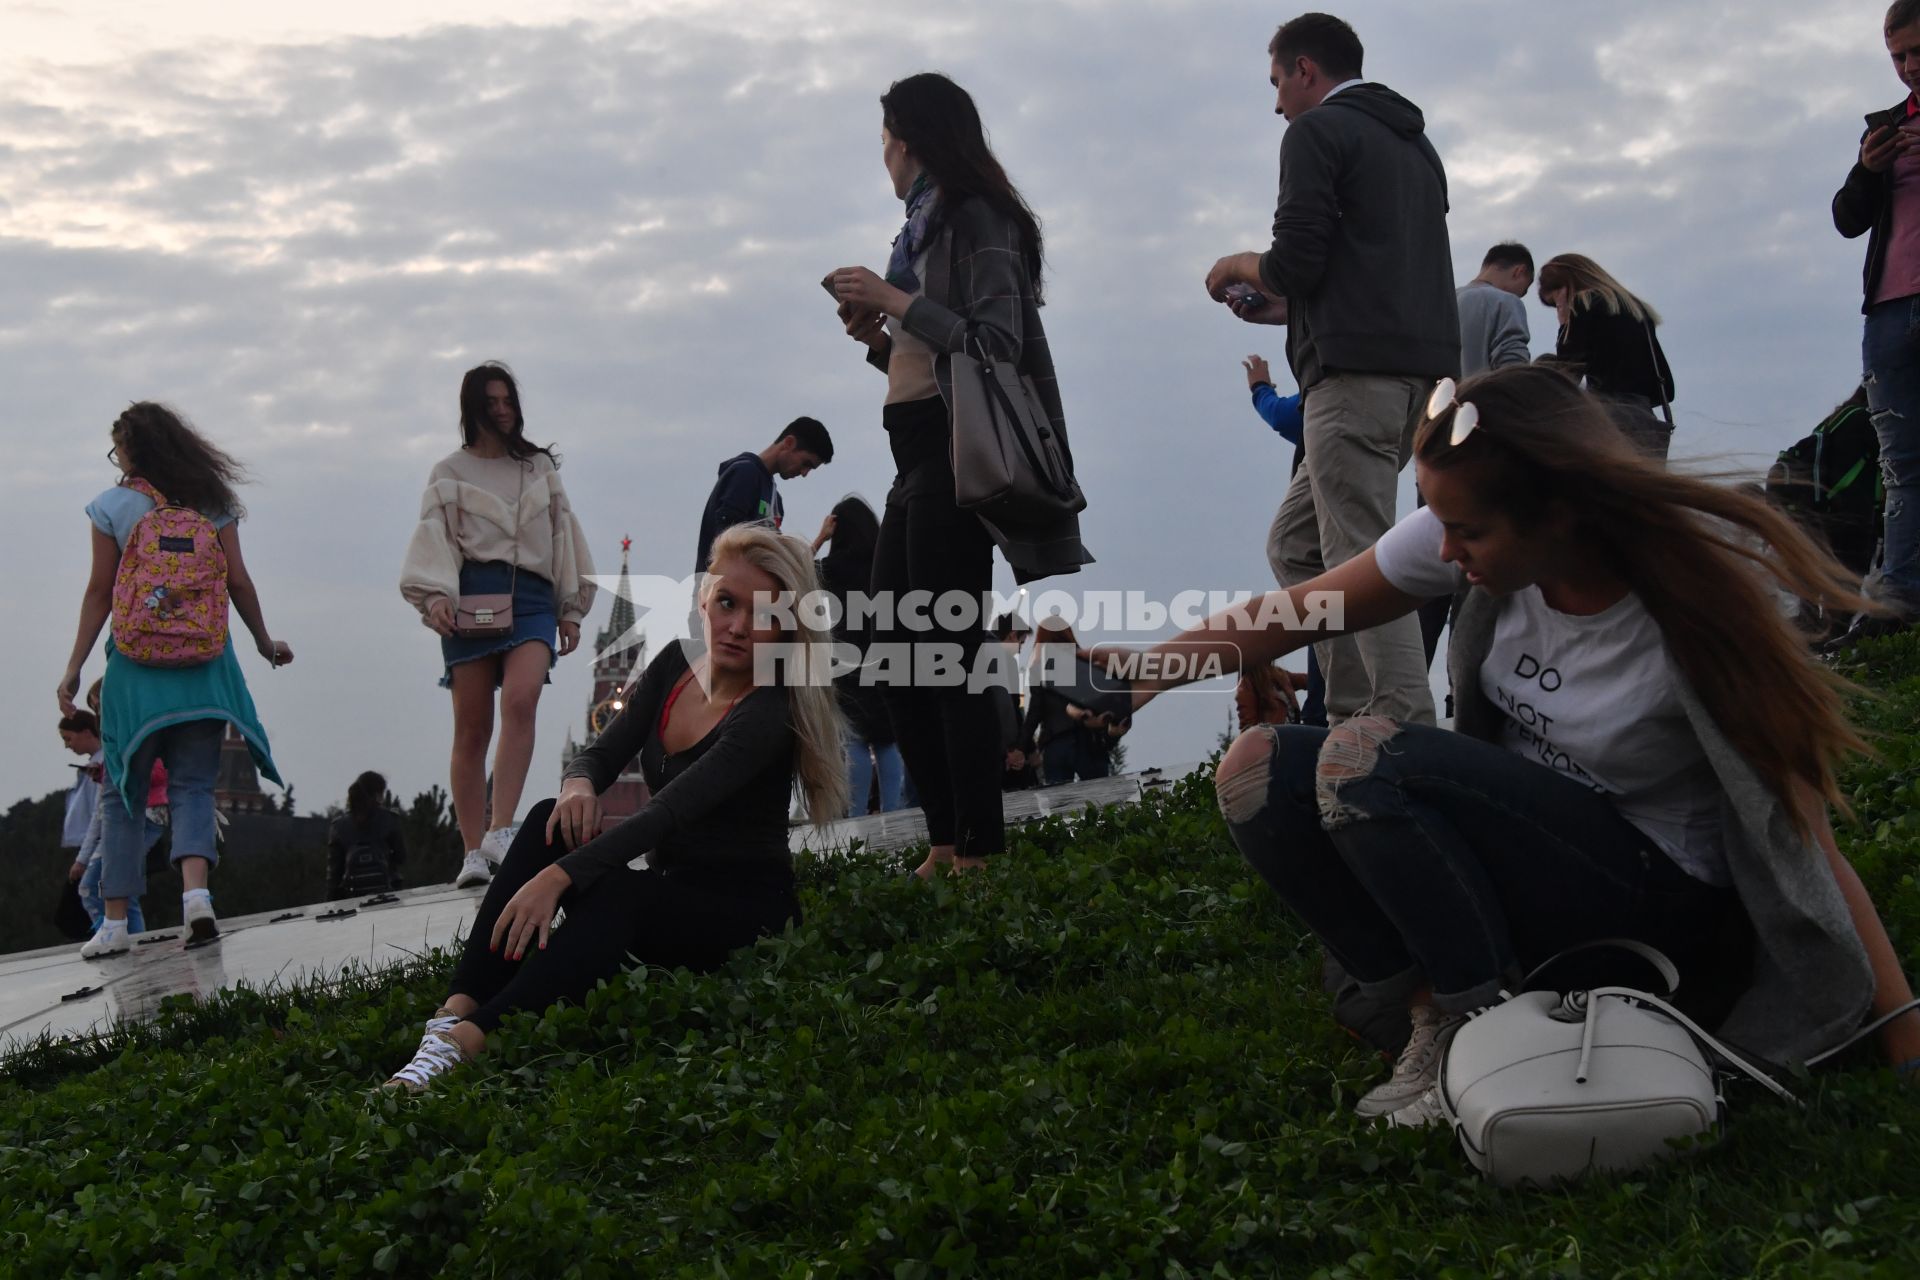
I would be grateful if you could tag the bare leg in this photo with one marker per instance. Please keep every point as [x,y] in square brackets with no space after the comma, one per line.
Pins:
[524,675]
[193,873]
[472,731]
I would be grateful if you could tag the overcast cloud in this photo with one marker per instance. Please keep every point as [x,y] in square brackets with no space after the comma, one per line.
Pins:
[303,240]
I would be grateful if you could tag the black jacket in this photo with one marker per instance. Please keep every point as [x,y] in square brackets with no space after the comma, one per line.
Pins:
[1360,247]
[1864,203]
[1618,354]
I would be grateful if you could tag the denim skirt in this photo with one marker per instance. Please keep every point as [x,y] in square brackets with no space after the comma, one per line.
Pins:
[533,616]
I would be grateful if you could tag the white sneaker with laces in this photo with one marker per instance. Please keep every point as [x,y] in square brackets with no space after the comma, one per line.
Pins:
[437,1055]
[494,845]
[111,939]
[1418,1067]
[475,870]
[196,910]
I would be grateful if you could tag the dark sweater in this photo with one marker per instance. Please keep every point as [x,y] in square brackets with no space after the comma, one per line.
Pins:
[743,491]
[719,805]
[1617,353]
[1360,246]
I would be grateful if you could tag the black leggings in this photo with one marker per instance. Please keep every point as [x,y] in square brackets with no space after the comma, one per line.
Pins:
[672,918]
[949,738]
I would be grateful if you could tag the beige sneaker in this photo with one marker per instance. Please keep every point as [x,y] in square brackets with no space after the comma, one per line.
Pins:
[1418,1067]
[438,1054]
[475,870]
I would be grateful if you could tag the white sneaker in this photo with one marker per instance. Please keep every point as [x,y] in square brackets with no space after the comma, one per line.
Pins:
[111,939]
[1418,1066]
[197,914]
[494,845]
[437,1055]
[475,870]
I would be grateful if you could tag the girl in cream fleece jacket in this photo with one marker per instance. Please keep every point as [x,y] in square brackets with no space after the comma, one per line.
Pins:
[495,519]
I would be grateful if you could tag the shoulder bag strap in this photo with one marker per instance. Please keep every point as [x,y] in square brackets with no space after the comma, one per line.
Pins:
[1659,382]
[1669,974]
[1719,1049]
[1862,1034]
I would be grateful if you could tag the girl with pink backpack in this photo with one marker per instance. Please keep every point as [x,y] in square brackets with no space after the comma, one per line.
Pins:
[166,564]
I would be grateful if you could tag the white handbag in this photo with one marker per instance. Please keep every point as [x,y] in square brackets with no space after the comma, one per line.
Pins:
[1545,1087]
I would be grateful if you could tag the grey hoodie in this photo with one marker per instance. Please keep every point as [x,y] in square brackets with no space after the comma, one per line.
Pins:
[1360,241]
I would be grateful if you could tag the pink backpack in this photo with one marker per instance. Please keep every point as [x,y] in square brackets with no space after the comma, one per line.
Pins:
[170,594]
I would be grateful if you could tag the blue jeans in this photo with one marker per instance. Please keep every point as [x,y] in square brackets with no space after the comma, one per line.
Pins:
[90,889]
[1422,856]
[192,755]
[1890,354]
[862,757]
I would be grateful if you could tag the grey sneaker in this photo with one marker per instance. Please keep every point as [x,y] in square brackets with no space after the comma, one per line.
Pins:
[1423,1111]
[1418,1068]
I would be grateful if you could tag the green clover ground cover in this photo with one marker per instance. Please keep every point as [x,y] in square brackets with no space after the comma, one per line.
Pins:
[1107,1057]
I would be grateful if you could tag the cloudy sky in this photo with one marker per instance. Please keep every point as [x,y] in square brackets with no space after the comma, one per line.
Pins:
[300,224]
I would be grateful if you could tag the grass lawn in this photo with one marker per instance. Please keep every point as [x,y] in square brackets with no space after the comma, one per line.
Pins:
[1108,1056]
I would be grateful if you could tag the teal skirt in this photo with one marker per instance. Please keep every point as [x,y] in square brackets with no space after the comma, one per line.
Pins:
[137,701]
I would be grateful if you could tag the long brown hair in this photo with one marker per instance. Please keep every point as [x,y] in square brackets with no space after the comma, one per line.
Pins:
[476,419]
[187,468]
[1587,281]
[1689,548]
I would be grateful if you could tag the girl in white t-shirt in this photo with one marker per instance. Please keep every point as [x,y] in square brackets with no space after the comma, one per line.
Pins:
[1646,748]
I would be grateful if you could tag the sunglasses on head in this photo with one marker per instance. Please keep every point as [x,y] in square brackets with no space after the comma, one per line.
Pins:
[1466,414]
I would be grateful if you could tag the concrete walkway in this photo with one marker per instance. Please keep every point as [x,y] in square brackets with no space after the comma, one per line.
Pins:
[54,992]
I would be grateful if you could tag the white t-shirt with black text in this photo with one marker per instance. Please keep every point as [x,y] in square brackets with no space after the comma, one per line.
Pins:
[1593,697]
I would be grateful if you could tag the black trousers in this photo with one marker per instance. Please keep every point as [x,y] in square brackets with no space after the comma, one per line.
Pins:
[673,918]
[949,738]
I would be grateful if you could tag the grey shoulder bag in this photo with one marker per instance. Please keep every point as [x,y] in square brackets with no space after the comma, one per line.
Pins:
[1006,455]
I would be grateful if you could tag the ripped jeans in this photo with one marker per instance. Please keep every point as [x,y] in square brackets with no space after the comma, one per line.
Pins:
[1890,355]
[1422,857]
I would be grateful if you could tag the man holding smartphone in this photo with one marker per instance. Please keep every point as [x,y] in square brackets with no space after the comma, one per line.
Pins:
[1881,198]
[1361,272]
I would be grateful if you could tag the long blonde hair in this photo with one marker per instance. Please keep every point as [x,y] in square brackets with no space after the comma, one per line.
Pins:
[1587,281]
[1689,549]
[819,729]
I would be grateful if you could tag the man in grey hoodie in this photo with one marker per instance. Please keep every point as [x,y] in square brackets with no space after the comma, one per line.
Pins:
[1361,273]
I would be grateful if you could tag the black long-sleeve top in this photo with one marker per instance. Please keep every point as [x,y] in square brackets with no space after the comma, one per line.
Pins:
[720,804]
[1619,354]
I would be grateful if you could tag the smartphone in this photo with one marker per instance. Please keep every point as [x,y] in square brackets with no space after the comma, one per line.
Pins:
[826,282]
[1244,297]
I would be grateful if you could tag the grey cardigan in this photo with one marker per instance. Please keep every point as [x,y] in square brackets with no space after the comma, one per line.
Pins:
[1812,984]
[978,292]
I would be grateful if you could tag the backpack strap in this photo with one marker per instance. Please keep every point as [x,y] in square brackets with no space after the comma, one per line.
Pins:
[138,485]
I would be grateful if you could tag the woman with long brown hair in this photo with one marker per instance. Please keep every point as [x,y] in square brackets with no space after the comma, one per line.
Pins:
[495,520]
[963,277]
[1645,747]
[166,566]
[1607,337]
